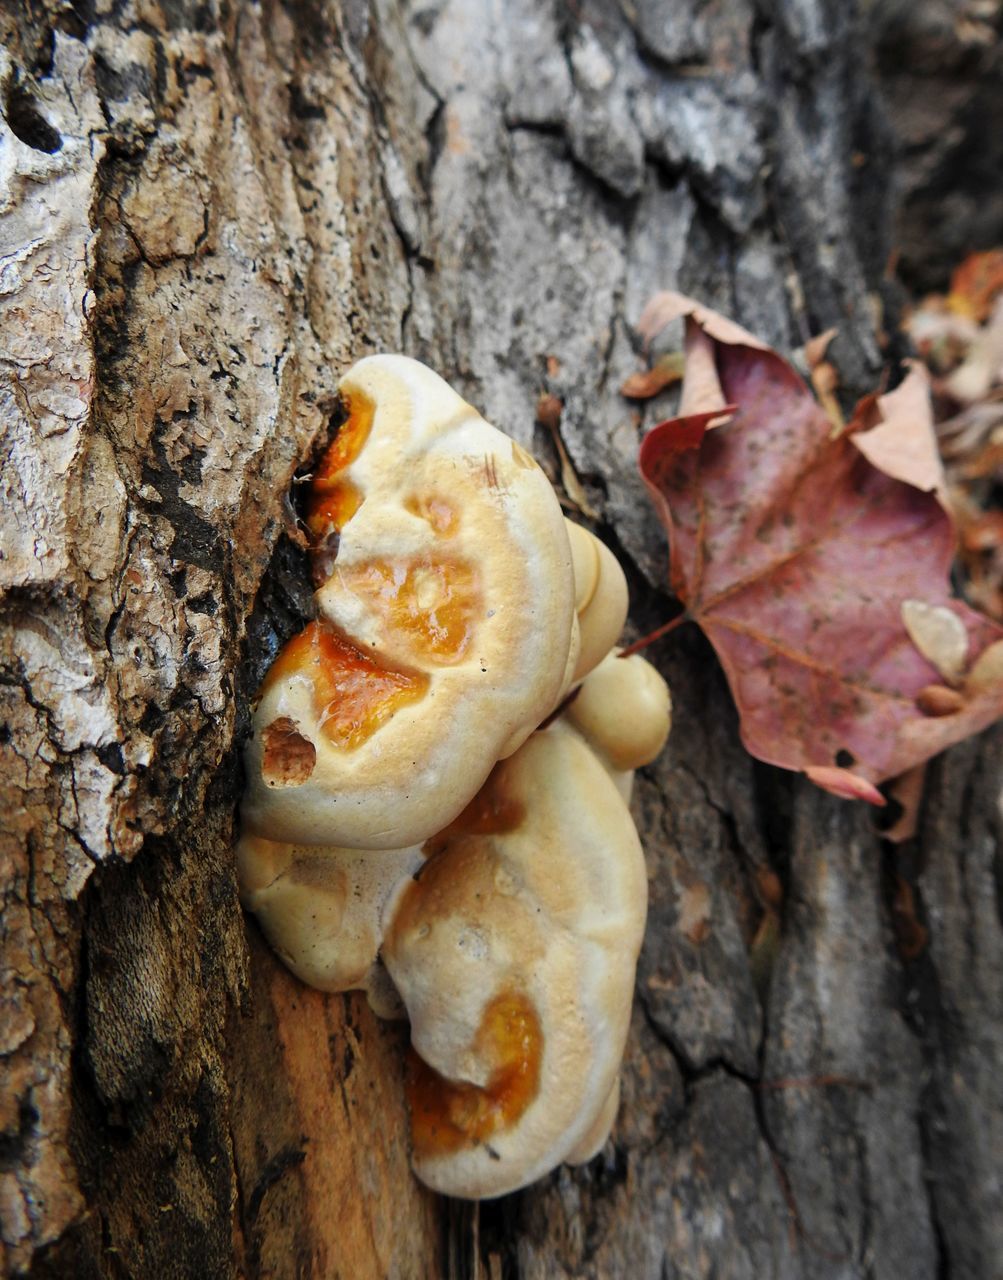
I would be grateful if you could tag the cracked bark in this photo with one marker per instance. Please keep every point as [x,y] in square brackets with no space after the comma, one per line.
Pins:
[208,211]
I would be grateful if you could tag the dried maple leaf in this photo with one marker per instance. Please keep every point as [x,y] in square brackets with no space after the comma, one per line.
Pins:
[800,555]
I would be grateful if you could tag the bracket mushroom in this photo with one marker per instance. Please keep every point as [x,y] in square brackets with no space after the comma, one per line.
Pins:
[428,816]
[514,953]
[446,619]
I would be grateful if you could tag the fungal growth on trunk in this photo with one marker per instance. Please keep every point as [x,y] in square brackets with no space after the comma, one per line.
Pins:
[438,781]
[514,953]
[446,615]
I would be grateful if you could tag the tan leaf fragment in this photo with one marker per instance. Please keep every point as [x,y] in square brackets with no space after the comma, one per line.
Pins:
[548,414]
[815,348]
[702,389]
[939,634]
[668,305]
[987,670]
[983,365]
[666,370]
[903,443]
[824,377]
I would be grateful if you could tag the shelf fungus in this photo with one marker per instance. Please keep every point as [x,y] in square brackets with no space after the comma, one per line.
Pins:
[446,614]
[438,780]
[514,953]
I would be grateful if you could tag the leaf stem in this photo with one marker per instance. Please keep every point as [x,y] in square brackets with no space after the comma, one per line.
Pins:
[652,636]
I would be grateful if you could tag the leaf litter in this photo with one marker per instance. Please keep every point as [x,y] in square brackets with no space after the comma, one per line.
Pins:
[817,560]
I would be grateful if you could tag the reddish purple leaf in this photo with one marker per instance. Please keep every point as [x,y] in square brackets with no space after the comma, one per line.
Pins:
[795,553]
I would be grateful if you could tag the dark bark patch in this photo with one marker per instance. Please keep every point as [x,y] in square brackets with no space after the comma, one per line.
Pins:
[287,1159]
[27,122]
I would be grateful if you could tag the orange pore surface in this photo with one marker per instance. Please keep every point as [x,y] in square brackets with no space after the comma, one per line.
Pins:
[334,500]
[353,695]
[435,603]
[447,1117]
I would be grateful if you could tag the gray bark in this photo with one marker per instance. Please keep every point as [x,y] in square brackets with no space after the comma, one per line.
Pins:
[209,210]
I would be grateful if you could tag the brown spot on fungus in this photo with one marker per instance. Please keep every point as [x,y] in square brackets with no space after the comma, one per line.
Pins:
[495,810]
[287,757]
[448,1115]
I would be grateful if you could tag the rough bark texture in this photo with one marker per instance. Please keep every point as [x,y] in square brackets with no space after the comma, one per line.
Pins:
[208,211]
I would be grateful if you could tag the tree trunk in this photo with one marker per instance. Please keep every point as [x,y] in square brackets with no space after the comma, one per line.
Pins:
[210,209]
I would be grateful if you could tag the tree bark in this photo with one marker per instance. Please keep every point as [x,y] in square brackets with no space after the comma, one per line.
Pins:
[209,210]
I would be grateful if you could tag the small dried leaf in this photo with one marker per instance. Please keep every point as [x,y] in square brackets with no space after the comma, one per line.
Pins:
[702,390]
[939,634]
[694,912]
[825,380]
[963,436]
[939,700]
[666,370]
[548,414]
[815,348]
[976,284]
[667,306]
[764,951]
[574,488]
[771,890]
[548,411]
[982,366]
[895,433]
[987,670]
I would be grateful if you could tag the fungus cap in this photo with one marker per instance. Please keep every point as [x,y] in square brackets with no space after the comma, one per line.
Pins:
[446,620]
[514,952]
[322,909]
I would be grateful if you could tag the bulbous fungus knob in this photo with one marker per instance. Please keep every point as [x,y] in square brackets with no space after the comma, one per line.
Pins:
[624,710]
[601,599]
[446,619]
[514,952]
[323,909]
